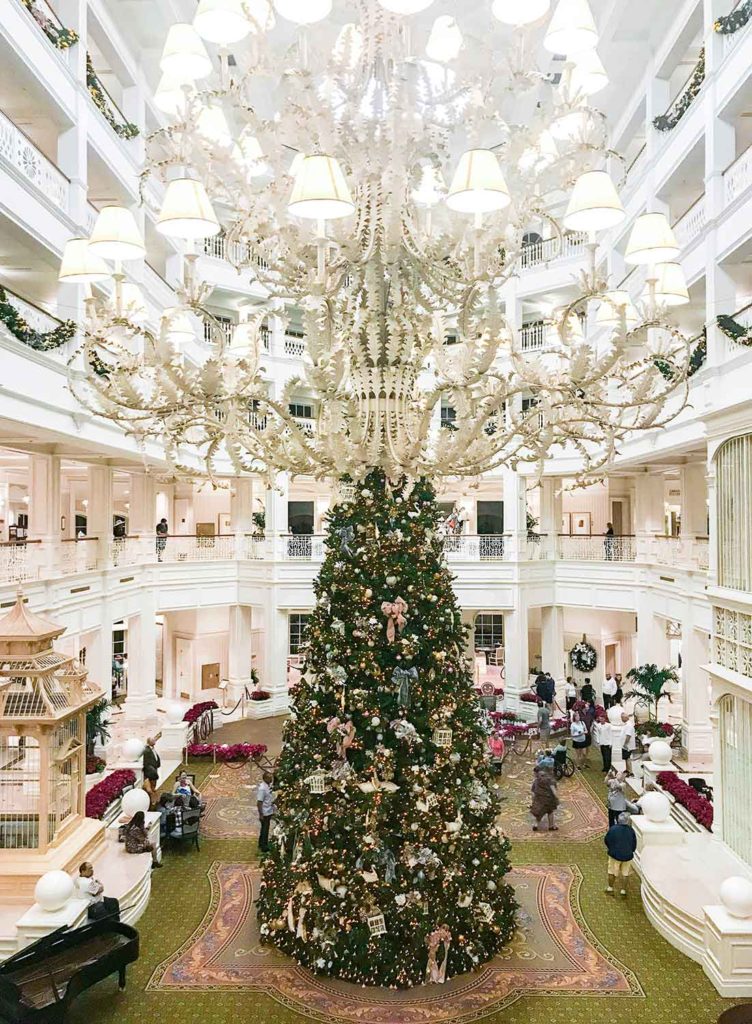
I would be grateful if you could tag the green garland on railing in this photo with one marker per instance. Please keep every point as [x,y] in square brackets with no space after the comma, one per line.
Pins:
[18,327]
[733,22]
[697,358]
[733,329]
[99,366]
[124,129]
[61,38]
[665,122]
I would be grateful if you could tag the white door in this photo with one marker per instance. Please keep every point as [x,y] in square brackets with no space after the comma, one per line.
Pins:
[183,668]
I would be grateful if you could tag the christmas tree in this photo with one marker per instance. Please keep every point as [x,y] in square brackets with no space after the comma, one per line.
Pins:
[387,866]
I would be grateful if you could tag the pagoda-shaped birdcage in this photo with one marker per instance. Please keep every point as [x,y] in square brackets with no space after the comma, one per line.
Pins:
[44,697]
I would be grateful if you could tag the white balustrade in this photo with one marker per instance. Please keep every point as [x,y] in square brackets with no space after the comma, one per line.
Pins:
[738,177]
[20,152]
[294,345]
[19,562]
[190,548]
[533,336]
[79,555]
[730,39]
[254,548]
[597,549]
[469,547]
[37,319]
[132,551]
[548,250]
[300,547]
[688,227]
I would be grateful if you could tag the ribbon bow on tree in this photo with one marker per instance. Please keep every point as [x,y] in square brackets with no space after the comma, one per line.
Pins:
[395,617]
[401,679]
[345,733]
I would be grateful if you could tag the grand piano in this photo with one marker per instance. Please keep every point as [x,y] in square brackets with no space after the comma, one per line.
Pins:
[38,984]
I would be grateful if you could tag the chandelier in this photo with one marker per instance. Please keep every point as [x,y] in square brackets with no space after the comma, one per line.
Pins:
[383,176]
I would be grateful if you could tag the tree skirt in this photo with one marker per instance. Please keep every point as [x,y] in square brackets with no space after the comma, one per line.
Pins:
[580,816]
[231,811]
[553,952]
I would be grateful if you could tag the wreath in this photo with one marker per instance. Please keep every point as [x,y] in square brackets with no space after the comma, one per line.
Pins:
[583,656]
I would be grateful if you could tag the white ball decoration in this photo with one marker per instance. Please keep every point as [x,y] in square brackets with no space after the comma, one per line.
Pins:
[614,715]
[133,748]
[736,896]
[655,806]
[53,890]
[659,752]
[175,712]
[135,800]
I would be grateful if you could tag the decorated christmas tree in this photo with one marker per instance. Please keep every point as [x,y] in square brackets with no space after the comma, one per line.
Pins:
[387,866]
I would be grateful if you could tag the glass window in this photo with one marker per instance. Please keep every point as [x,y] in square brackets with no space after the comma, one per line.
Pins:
[489,631]
[301,411]
[490,517]
[298,623]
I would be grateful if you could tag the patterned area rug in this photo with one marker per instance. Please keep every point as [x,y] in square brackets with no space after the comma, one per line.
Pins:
[580,816]
[553,953]
[230,795]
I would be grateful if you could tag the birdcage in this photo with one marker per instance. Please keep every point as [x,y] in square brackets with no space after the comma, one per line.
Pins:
[317,783]
[376,923]
[44,697]
[442,737]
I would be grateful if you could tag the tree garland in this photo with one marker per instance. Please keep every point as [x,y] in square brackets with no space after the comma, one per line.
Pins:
[733,329]
[697,358]
[18,327]
[583,656]
[733,22]
[124,129]
[665,122]
[61,38]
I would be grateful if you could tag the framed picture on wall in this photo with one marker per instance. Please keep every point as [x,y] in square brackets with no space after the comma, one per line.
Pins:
[566,523]
[224,523]
[581,524]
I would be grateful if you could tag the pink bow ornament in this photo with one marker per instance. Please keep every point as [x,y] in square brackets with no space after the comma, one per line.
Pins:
[395,617]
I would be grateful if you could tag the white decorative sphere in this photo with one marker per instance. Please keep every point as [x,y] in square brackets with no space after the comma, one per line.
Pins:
[614,715]
[135,800]
[736,896]
[175,712]
[659,752]
[133,749]
[53,890]
[655,806]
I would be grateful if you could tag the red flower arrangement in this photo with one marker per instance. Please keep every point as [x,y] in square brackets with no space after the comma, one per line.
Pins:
[698,806]
[529,697]
[95,764]
[195,711]
[106,792]
[227,751]
[504,716]
[260,695]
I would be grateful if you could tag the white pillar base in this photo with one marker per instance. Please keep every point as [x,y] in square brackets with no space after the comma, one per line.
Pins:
[278,704]
[728,952]
[697,743]
[36,923]
[172,741]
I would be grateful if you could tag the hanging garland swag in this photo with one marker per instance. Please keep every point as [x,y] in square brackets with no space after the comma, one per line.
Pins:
[739,333]
[61,38]
[583,656]
[18,327]
[737,19]
[124,129]
[665,122]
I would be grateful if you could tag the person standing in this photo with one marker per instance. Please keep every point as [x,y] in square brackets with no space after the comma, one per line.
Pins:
[619,695]
[578,732]
[570,693]
[621,843]
[544,724]
[265,805]
[628,741]
[545,801]
[151,764]
[587,693]
[162,531]
[609,691]
[608,543]
[601,733]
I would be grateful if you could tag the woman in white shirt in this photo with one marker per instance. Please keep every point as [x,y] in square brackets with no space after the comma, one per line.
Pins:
[602,735]
[578,732]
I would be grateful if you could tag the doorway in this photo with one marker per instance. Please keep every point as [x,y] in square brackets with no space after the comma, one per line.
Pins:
[183,674]
[610,651]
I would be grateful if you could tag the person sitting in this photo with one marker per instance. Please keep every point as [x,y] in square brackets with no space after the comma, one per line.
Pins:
[91,889]
[560,753]
[175,818]
[166,802]
[185,788]
[545,759]
[137,840]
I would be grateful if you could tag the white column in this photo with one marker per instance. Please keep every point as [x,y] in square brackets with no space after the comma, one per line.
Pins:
[650,512]
[239,652]
[99,652]
[142,515]
[550,512]
[44,498]
[694,487]
[697,731]
[99,509]
[554,657]
[713,524]
[276,512]
[652,643]
[515,514]
[276,649]
[241,504]
[516,656]
[141,701]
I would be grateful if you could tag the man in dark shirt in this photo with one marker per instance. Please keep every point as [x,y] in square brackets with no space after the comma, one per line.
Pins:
[162,531]
[587,693]
[621,843]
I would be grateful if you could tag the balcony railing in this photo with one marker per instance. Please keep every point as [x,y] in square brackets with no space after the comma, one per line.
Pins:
[300,547]
[533,336]
[549,249]
[684,552]
[685,98]
[730,39]
[17,150]
[738,177]
[294,345]
[691,224]
[487,547]
[80,554]
[20,561]
[38,319]
[597,549]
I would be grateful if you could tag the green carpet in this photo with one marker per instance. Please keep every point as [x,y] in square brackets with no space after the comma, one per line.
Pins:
[676,990]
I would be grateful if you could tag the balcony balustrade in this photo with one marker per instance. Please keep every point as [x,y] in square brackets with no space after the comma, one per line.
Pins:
[37,319]
[488,547]
[597,549]
[20,153]
[691,224]
[682,552]
[300,547]
[533,336]
[738,177]
[731,39]
[548,250]
[294,345]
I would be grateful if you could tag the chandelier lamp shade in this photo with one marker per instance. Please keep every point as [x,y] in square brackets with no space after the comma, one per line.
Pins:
[133,301]
[520,12]
[303,12]
[320,190]
[670,285]
[81,266]
[171,94]
[212,124]
[478,184]
[594,204]
[445,41]
[221,21]
[571,29]
[617,307]
[405,6]
[184,56]
[588,75]
[651,241]
[187,211]
[116,235]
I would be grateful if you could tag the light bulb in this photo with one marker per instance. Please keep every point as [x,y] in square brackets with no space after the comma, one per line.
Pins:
[445,41]
[303,12]
[520,12]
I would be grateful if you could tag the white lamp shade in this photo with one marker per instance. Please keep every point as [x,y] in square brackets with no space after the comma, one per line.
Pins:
[478,185]
[249,154]
[221,21]
[405,6]
[135,800]
[184,56]
[116,235]
[320,191]
[671,285]
[303,12]
[617,308]
[651,241]
[81,266]
[212,125]
[571,29]
[245,337]
[170,95]
[445,41]
[594,204]
[569,125]
[588,76]
[178,326]
[175,712]
[53,890]
[520,12]
[133,748]
[186,211]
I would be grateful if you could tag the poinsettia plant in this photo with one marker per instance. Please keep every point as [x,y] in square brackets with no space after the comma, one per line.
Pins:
[698,806]
[106,792]
[195,711]
[228,751]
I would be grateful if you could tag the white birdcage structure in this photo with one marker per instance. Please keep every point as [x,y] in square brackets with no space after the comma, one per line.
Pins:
[376,923]
[318,782]
[442,737]
[44,697]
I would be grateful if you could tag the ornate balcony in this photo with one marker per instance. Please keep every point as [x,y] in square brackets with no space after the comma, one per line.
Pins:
[19,153]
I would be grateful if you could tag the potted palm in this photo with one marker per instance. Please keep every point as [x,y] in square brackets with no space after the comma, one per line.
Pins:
[650,684]
[97,725]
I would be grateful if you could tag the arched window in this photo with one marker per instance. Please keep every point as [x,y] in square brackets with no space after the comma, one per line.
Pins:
[735,723]
[734,505]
